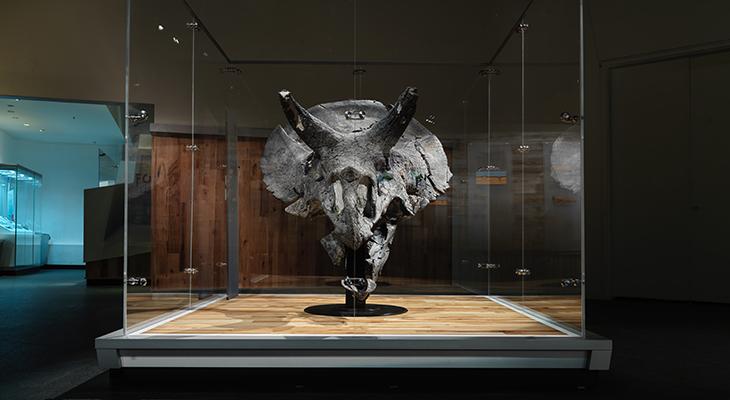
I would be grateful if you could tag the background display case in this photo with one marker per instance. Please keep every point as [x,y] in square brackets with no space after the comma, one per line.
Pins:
[21,242]
[217,273]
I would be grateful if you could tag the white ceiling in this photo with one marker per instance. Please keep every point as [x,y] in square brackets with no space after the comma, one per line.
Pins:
[61,122]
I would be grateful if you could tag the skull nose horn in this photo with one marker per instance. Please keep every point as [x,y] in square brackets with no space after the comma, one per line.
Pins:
[388,130]
[311,130]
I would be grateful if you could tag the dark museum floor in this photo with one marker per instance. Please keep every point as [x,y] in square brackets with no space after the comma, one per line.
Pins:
[48,321]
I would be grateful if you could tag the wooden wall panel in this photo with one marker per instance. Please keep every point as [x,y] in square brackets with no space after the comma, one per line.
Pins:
[171,212]
[421,249]
[276,249]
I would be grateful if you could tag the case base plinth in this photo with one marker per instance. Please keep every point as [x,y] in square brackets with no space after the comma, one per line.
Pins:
[273,331]
[345,310]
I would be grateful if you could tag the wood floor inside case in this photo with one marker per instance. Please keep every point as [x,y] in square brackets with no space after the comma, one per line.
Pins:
[427,315]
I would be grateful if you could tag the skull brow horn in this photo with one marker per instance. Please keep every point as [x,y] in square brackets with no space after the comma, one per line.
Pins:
[388,130]
[310,129]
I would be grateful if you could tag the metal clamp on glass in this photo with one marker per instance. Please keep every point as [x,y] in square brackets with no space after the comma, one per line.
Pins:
[137,118]
[571,282]
[489,71]
[134,281]
[568,118]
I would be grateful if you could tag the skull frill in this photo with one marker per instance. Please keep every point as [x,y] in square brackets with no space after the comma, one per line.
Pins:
[361,163]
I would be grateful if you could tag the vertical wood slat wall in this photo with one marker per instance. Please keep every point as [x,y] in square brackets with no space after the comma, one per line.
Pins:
[276,249]
[170,214]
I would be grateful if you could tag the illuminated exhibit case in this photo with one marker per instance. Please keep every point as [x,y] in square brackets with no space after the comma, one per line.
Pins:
[22,244]
[365,189]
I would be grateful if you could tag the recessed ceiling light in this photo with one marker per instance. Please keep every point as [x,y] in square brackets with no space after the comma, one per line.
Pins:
[26,124]
[160,27]
[174,39]
[17,99]
[11,111]
[11,105]
[41,130]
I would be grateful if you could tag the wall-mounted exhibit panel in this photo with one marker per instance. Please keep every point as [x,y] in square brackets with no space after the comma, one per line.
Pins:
[372,184]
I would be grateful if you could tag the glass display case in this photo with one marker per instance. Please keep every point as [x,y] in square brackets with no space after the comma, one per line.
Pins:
[21,242]
[354,184]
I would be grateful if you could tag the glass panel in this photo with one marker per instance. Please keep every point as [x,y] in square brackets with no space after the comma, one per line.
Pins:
[497,253]
[107,169]
[176,167]
[24,218]
[523,214]
[40,240]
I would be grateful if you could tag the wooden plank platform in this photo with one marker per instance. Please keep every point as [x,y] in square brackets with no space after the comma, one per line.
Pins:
[564,309]
[427,315]
[143,307]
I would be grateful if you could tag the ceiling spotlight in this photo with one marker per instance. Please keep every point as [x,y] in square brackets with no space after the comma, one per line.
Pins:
[41,130]
[176,40]
[160,27]
[26,124]
[17,99]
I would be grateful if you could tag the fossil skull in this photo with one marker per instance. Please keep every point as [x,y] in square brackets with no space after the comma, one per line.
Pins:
[361,163]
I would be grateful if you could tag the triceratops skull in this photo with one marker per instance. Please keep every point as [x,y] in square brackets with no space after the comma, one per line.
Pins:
[364,165]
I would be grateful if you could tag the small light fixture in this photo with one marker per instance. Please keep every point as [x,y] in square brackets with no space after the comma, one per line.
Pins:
[160,27]
[17,99]
[176,40]
[41,130]
[26,124]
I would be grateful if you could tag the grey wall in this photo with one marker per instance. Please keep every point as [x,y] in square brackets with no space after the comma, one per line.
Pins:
[669,165]
[639,153]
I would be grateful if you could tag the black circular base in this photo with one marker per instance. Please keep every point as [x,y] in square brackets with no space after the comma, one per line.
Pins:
[343,310]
